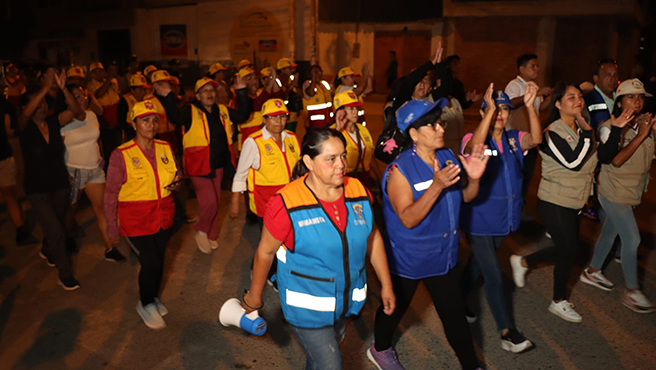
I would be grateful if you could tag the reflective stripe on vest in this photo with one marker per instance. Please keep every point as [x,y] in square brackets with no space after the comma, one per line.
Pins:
[270,177]
[144,204]
[324,278]
[320,106]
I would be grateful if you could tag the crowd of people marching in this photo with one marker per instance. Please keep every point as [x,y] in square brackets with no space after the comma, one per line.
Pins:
[135,146]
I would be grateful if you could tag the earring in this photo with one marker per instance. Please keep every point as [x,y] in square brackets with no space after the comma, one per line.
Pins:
[414,148]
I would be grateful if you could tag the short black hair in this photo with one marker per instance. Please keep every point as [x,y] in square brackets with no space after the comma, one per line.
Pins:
[448,60]
[523,59]
[603,62]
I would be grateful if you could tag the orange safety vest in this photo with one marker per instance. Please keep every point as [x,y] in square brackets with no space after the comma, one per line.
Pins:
[196,141]
[270,177]
[352,150]
[320,106]
[144,204]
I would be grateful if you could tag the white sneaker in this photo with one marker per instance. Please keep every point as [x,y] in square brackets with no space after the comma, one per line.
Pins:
[636,301]
[565,310]
[150,316]
[214,244]
[519,271]
[203,242]
[160,307]
[596,279]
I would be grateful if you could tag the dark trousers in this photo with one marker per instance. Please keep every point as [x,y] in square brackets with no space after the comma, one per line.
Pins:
[530,160]
[151,256]
[110,138]
[50,210]
[563,225]
[447,298]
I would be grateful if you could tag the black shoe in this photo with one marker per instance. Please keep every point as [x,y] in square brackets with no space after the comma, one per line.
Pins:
[24,237]
[49,260]
[69,283]
[471,317]
[113,255]
[515,342]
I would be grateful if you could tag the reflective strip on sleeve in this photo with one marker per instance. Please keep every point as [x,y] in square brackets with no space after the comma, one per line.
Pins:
[317,117]
[359,295]
[597,107]
[282,254]
[310,302]
[326,85]
[319,106]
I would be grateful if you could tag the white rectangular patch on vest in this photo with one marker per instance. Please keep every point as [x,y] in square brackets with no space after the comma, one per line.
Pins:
[421,186]
[310,302]
[282,254]
[597,107]
[359,295]
[311,221]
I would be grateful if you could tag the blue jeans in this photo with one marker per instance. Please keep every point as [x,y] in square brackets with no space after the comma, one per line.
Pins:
[484,260]
[321,345]
[619,221]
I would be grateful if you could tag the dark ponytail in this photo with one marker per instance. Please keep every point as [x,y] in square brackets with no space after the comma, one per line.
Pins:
[313,146]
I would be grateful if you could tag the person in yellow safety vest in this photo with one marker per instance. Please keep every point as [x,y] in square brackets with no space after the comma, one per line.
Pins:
[266,161]
[345,80]
[139,205]
[288,81]
[245,63]
[148,72]
[165,101]
[223,92]
[257,98]
[265,74]
[359,142]
[138,86]
[318,99]
[206,143]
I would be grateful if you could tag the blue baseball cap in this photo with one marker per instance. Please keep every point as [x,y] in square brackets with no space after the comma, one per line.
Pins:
[412,110]
[500,97]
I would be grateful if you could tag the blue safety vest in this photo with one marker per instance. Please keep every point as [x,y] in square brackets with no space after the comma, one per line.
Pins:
[497,208]
[323,277]
[431,247]
[597,107]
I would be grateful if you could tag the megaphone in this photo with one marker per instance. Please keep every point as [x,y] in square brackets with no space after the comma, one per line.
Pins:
[233,314]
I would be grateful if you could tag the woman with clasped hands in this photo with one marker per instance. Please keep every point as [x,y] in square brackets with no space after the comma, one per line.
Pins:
[422,193]
[324,222]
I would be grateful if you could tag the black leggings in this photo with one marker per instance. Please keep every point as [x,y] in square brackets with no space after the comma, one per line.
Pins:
[151,256]
[563,225]
[449,304]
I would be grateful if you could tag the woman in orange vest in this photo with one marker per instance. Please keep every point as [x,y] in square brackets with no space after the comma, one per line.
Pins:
[139,205]
[266,161]
[207,140]
[359,142]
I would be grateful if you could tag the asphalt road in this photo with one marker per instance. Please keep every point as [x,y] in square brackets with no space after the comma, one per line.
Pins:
[97,327]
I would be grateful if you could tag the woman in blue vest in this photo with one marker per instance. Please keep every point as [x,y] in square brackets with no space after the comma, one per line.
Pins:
[422,193]
[318,226]
[496,211]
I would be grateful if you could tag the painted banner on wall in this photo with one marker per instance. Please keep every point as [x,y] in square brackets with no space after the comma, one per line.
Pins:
[173,40]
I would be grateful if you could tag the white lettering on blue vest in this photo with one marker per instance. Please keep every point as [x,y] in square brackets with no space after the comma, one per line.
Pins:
[311,221]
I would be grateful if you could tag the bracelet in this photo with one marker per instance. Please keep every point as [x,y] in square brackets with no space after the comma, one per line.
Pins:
[243,299]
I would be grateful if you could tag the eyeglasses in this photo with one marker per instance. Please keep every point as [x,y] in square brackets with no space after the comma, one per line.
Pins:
[277,118]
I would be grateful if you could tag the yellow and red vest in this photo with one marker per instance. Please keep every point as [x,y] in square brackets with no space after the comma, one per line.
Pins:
[352,150]
[319,107]
[196,141]
[144,204]
[275,169]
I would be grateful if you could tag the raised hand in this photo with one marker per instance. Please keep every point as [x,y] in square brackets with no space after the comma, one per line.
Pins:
[162,88]
[489,100]
[60,79]
[445,177]
[238,83]
[477,162]
[340,120]
[473,96]
[583,124]
[645,125]
[545,91]
[437,57]
[531,94]
[624,118]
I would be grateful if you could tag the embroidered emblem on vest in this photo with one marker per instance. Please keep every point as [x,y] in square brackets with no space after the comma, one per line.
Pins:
[449,162]
[513,144]
[268,149]
[136,162]
[291,148]
[165,159]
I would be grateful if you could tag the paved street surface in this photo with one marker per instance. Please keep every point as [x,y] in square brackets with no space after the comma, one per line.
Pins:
[97,326]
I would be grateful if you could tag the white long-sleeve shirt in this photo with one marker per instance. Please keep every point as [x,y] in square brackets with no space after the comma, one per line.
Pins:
[250,158]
